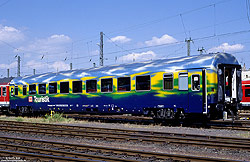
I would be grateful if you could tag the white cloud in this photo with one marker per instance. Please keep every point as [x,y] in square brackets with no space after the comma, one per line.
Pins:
[95,52]
[138,56]
[165,39]
[40,66]
[53,44]
[225,47]
[120,39]
[60,66]
[8,66]
[10,34]
[35,65]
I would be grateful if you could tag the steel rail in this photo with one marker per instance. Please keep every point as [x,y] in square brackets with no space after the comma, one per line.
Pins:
[63,155]
[111,149]
[215,124]
[32,156]
[239,143]
[232,128]
[131,137]
[117,130]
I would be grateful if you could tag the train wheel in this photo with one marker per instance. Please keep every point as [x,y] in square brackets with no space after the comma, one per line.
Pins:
[20,111]
[7,112]
[17,112]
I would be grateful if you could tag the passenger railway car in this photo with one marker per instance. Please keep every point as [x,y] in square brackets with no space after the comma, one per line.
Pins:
[246,94]
[204,85]
[4,94]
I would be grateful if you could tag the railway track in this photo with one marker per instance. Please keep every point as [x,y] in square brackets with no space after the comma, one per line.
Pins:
[126,135]
[243,125]
[244,114]
[112,118]
[61,151]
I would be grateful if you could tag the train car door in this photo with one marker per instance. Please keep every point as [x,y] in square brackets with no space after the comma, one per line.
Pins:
[3,94]
[197,91]
[182,100]
[229,87]
[1,99]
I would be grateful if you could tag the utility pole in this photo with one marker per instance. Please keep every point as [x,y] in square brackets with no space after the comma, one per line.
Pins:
[71,67]
[201,50]
[18,66]
[8,73]
[101,48]
[188,45]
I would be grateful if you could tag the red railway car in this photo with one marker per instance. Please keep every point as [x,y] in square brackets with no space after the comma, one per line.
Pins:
[245,103]
[4,94]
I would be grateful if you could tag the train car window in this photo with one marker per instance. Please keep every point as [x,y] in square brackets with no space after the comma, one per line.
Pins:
[123,84]
[183,81]
[168,81]
[143,83]
[12,91]
[91,86]
[42,89]
[64,87]
[0,91]
[106,85]
[77,86]
[24,90]
[195,82]
[4,91]
[16,90]
[52,88]
[32,89]
[247,92]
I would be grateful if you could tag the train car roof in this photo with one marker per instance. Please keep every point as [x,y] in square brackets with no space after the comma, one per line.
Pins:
[5,81]
[167,65]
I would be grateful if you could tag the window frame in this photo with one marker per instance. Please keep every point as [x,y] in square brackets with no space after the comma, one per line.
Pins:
[56,87]
[87,88]
[35,89]
[129,84]
[24,86]
[247,93]
[39,89]
[180,73]
[172,81]
[142,76]
[60,87]
[12,91]
[4,95]
[111,86]
[192,82]
[16,87]
[73,87]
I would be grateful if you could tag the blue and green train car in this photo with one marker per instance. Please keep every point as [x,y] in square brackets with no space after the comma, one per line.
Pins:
[203,85]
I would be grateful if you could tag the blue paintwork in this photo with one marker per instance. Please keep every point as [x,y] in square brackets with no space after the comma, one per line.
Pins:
[135,101]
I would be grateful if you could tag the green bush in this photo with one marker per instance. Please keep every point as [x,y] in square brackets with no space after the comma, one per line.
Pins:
[19,119]
[56,117]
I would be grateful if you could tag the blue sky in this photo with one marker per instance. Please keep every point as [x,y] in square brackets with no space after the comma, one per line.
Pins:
[49,35]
